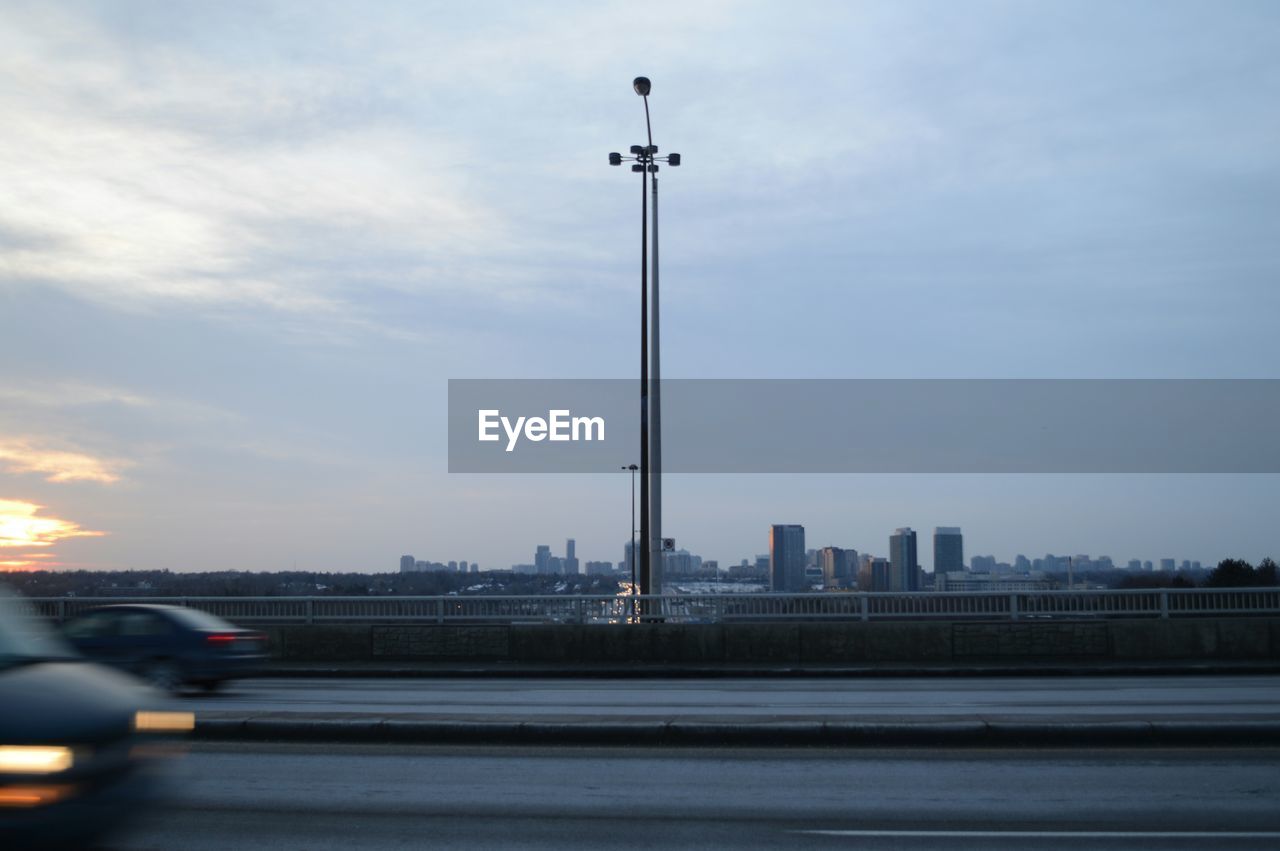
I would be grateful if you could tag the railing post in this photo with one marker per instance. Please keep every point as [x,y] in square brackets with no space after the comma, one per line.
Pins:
[310,611]
[62,610]
[1164,604]
[1013,605]
[864,607]
[440,610]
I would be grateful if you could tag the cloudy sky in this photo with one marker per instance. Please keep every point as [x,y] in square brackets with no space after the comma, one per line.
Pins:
[243,246]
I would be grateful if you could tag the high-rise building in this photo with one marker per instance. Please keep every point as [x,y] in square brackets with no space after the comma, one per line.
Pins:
[570,557]
[787,559]
[1166,564]
[948,549]
[542,559]
[905,567]
[837,566]
[881,574]
[406,564]
[629,565]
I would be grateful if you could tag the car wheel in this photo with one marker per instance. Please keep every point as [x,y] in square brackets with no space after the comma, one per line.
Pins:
[163,675]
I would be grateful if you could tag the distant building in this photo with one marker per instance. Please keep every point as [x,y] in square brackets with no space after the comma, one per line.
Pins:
[571,557]
[837,566]
[406,564]
[958,581]
[599,568]
[542,558]
[630,565]
[1166,564]
[787,559]
[1135,564]
[902,559]
[881,571]
[948,549]
[984,564]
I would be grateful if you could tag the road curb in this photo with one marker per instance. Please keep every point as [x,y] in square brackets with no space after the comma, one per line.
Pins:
[975,733]
[429,671]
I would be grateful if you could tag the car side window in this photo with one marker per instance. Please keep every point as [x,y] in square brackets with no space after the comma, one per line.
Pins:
[142,624]
[93,625]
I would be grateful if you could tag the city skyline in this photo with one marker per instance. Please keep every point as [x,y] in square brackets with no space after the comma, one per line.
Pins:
[948,548]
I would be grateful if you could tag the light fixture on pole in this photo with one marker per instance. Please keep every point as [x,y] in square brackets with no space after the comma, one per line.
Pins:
[645,159]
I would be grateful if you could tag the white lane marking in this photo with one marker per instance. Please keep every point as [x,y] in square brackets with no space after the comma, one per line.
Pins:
[1048,834]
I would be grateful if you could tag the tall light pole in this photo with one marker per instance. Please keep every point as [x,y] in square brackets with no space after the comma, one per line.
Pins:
[631,557]
[645,159]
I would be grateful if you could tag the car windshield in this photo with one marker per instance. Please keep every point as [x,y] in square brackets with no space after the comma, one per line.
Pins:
[196,619]
[24,635]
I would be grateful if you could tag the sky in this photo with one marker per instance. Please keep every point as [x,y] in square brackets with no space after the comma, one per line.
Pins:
[243,247]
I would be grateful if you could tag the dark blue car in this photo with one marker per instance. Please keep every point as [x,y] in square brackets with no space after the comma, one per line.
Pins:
[168,646]
[75,760]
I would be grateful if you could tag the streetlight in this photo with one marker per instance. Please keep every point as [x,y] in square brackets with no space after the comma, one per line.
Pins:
[644,160]
[632,555]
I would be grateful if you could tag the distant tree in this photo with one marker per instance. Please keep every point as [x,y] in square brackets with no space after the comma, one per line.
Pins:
[1267,573]
[1232,573]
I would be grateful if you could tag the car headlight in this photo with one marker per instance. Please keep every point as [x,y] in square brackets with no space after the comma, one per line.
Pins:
[164,722]
[34,759]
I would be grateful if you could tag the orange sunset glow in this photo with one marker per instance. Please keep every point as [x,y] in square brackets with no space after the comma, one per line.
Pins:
[21,529]
[24,456]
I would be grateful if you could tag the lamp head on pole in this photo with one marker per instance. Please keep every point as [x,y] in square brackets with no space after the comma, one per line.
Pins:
[641,85]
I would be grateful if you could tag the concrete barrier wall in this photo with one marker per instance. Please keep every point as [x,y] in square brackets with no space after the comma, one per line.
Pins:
[820,643]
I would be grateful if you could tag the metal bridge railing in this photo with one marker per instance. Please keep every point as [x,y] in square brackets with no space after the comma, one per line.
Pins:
[709,608]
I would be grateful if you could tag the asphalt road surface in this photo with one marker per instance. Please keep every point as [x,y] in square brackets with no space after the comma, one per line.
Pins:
[240,796]
[898,699]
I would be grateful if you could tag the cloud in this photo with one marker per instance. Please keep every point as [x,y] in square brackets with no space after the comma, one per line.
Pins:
[20,528]
[25,456]
[144,175]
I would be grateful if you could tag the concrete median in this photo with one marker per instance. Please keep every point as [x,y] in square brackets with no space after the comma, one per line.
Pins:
[973,732]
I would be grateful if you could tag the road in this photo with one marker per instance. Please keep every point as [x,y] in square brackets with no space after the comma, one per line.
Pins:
[885,699]
[241,796]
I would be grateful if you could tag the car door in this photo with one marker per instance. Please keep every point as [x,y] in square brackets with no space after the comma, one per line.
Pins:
[94,635]
[141,637]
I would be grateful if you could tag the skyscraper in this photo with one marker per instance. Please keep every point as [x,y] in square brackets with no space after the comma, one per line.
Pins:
[571,557]
[948,549]
[837,566]
[905,569]
[786,559]
[406,564]
[542,559]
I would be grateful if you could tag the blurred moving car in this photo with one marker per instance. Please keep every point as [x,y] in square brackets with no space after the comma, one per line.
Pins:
[168,646]
[77,749]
